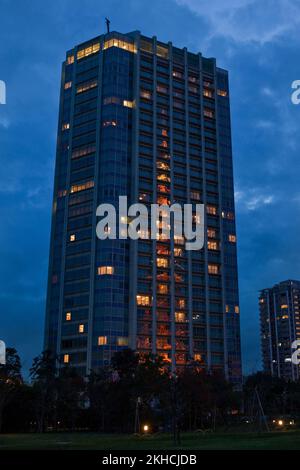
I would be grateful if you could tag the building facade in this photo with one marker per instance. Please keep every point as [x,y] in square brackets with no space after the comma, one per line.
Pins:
[150,121]
[280,327]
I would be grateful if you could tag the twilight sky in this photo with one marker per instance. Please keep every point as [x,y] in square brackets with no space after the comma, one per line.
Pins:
[256,40]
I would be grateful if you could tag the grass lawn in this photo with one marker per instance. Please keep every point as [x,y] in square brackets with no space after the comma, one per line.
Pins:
[193,441]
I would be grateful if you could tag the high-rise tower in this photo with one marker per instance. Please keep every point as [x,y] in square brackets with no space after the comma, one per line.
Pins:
[148,120]
[280,326]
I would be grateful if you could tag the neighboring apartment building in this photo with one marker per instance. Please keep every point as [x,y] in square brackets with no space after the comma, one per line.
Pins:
[145,119]
[280,327]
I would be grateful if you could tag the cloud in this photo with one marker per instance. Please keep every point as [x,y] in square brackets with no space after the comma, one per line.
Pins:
[264,124]
[267,91]
[277,113]
[253,199]
[4,122]
[296,198]
[248,20]
[26,186]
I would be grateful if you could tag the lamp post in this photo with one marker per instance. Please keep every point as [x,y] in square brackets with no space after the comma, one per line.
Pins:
[175,410]
[137,415]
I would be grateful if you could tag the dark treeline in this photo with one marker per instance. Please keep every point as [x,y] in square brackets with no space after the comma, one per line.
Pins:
[132,391]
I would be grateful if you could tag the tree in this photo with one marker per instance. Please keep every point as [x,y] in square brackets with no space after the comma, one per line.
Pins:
[70,389]
[133,383]
[151,386]
[271,390]
[125,363]
[19,413]
[10,379]
[43,375]
[122,389]
[98,393]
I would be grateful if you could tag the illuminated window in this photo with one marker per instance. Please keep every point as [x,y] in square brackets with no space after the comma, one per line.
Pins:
[197,357]
[86,86]
[207,93]
[163,166]
[177,74]
[83,151]
[66,358]
[146,46]
[232,238]
[211,233]
[196,218]
[82,187]
[212,245]
[102,340]
[144,197]
[68,85]
[128,104]
[222,92]
[163,177]
[227,309]
[237,309]
[213,269]
[143,300]
[127,46]
[109,123]
[164,155]
[195,195]
[162,51]
[162,250]
[65,126]
[146,94]
[284,306]
[88,51]
[164,132]
[179,317]
[162,288]
[228,215]
[193,79]
[212,210]
[70,59]
[165,357]
[102,270]
[208,113]
[178,251]
[163,277]
[81,329]
[72,238]
[181,303]
[122,341]
[163,188]
[162,262]
[179,277]
[68,316]
[178,240]
[161,200]
[61,193]
[163,344]
[161,89]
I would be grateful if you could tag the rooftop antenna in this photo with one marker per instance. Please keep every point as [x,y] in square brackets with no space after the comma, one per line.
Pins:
[107,21]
